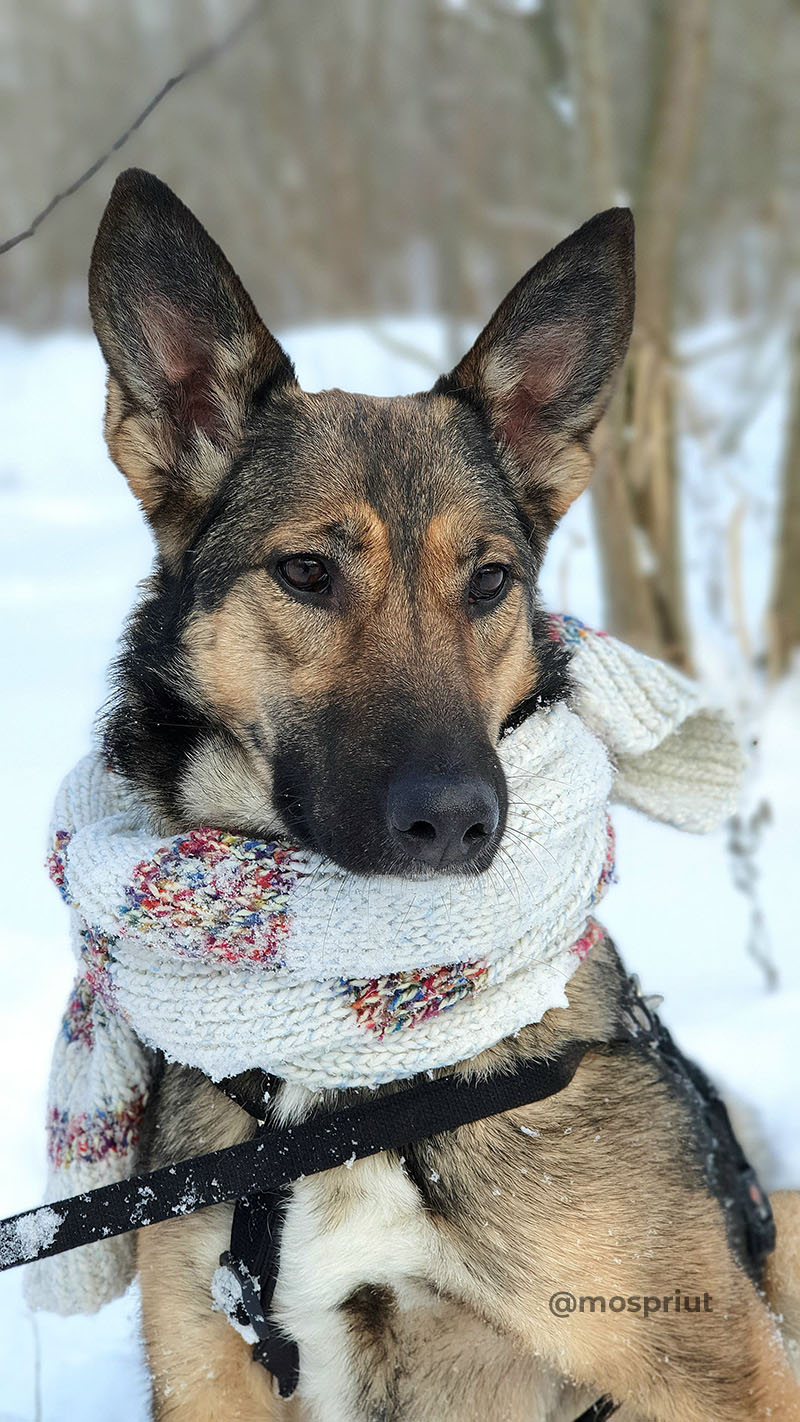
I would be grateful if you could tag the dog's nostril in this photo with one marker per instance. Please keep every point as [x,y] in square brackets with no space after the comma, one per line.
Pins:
[474,833]
[422,829]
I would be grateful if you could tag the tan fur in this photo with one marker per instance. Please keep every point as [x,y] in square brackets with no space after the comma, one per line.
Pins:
[495,659]
[456,1365]
[511,674]
[235,668]
[201,1370]
[140,445]
[133,454]
[782,1280]
[568,474]
[616,1225]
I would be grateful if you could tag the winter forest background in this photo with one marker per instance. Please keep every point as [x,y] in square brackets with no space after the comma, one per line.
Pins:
[380,172]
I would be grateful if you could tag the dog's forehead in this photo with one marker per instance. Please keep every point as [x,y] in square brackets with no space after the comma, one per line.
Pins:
[392,483]
[407,458]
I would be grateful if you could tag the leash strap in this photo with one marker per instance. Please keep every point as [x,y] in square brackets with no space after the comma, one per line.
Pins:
[275,1158]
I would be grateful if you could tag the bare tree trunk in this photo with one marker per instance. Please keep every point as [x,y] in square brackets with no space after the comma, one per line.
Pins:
[784,613]
[593,93]
[652,461]
[446,101]
[636,491]
[629,610]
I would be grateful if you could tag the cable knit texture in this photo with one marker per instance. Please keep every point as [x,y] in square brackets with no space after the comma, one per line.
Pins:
[227,953]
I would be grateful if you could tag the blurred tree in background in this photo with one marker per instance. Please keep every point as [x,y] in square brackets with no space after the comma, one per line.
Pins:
[366,157]
[784,613]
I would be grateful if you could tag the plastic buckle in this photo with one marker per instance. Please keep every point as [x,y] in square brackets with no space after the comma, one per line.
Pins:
[237,1294]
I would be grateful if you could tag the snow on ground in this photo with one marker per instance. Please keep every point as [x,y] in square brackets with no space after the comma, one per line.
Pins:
[73,548]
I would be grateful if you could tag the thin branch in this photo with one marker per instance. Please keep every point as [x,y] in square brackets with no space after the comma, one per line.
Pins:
[37,1366]
[406,350]
[201,60]
[736,580]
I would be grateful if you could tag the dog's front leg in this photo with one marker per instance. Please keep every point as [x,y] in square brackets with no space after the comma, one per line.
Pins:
[202,1370]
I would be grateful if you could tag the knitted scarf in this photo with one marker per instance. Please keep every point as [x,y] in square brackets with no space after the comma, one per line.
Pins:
[227,953]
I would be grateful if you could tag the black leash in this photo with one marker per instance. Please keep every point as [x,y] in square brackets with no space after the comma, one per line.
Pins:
[273,1158]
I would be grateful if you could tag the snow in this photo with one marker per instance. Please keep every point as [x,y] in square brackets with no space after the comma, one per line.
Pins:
[25,1237]
[73,549]
[226,1296]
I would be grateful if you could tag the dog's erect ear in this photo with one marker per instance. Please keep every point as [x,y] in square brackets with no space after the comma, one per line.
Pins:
[543,369]
[187,353]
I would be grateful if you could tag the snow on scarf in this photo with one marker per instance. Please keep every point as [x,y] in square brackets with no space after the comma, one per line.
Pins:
[228,953]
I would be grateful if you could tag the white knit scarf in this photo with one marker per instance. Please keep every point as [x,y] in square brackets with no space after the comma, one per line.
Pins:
[228,953]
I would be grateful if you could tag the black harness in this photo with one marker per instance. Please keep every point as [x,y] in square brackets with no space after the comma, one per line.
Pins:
[256,1173]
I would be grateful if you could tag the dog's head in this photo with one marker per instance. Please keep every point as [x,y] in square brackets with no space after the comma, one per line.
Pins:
[343,614]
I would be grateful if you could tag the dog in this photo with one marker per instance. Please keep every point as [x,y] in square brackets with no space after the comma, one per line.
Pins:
[342,620]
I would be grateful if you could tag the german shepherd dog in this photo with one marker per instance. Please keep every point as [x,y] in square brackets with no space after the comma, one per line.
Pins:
[342,619]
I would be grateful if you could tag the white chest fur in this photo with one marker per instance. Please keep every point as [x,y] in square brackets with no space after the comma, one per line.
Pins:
[355,1226]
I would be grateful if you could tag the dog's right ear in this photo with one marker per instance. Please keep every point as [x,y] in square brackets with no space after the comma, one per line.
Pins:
[187,353]
[542,370]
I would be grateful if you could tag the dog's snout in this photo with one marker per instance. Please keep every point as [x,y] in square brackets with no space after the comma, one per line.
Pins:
[442,820]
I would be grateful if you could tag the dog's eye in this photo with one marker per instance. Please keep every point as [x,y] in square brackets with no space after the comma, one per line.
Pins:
[487,582]
[305,573]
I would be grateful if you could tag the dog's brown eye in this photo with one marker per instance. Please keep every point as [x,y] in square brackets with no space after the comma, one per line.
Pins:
[487,582]
[305,573]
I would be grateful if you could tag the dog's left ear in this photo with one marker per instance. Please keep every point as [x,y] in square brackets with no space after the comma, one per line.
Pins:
[188,356]
[541,372]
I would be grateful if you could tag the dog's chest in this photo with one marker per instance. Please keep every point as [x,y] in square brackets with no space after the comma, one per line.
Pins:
[353,1227]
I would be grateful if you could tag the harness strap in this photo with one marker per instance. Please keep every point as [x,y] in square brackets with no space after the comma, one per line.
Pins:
[275,1158]
[599,1411]
[251,1269]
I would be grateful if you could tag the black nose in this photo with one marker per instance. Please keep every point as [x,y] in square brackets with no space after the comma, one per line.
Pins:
[442,819]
